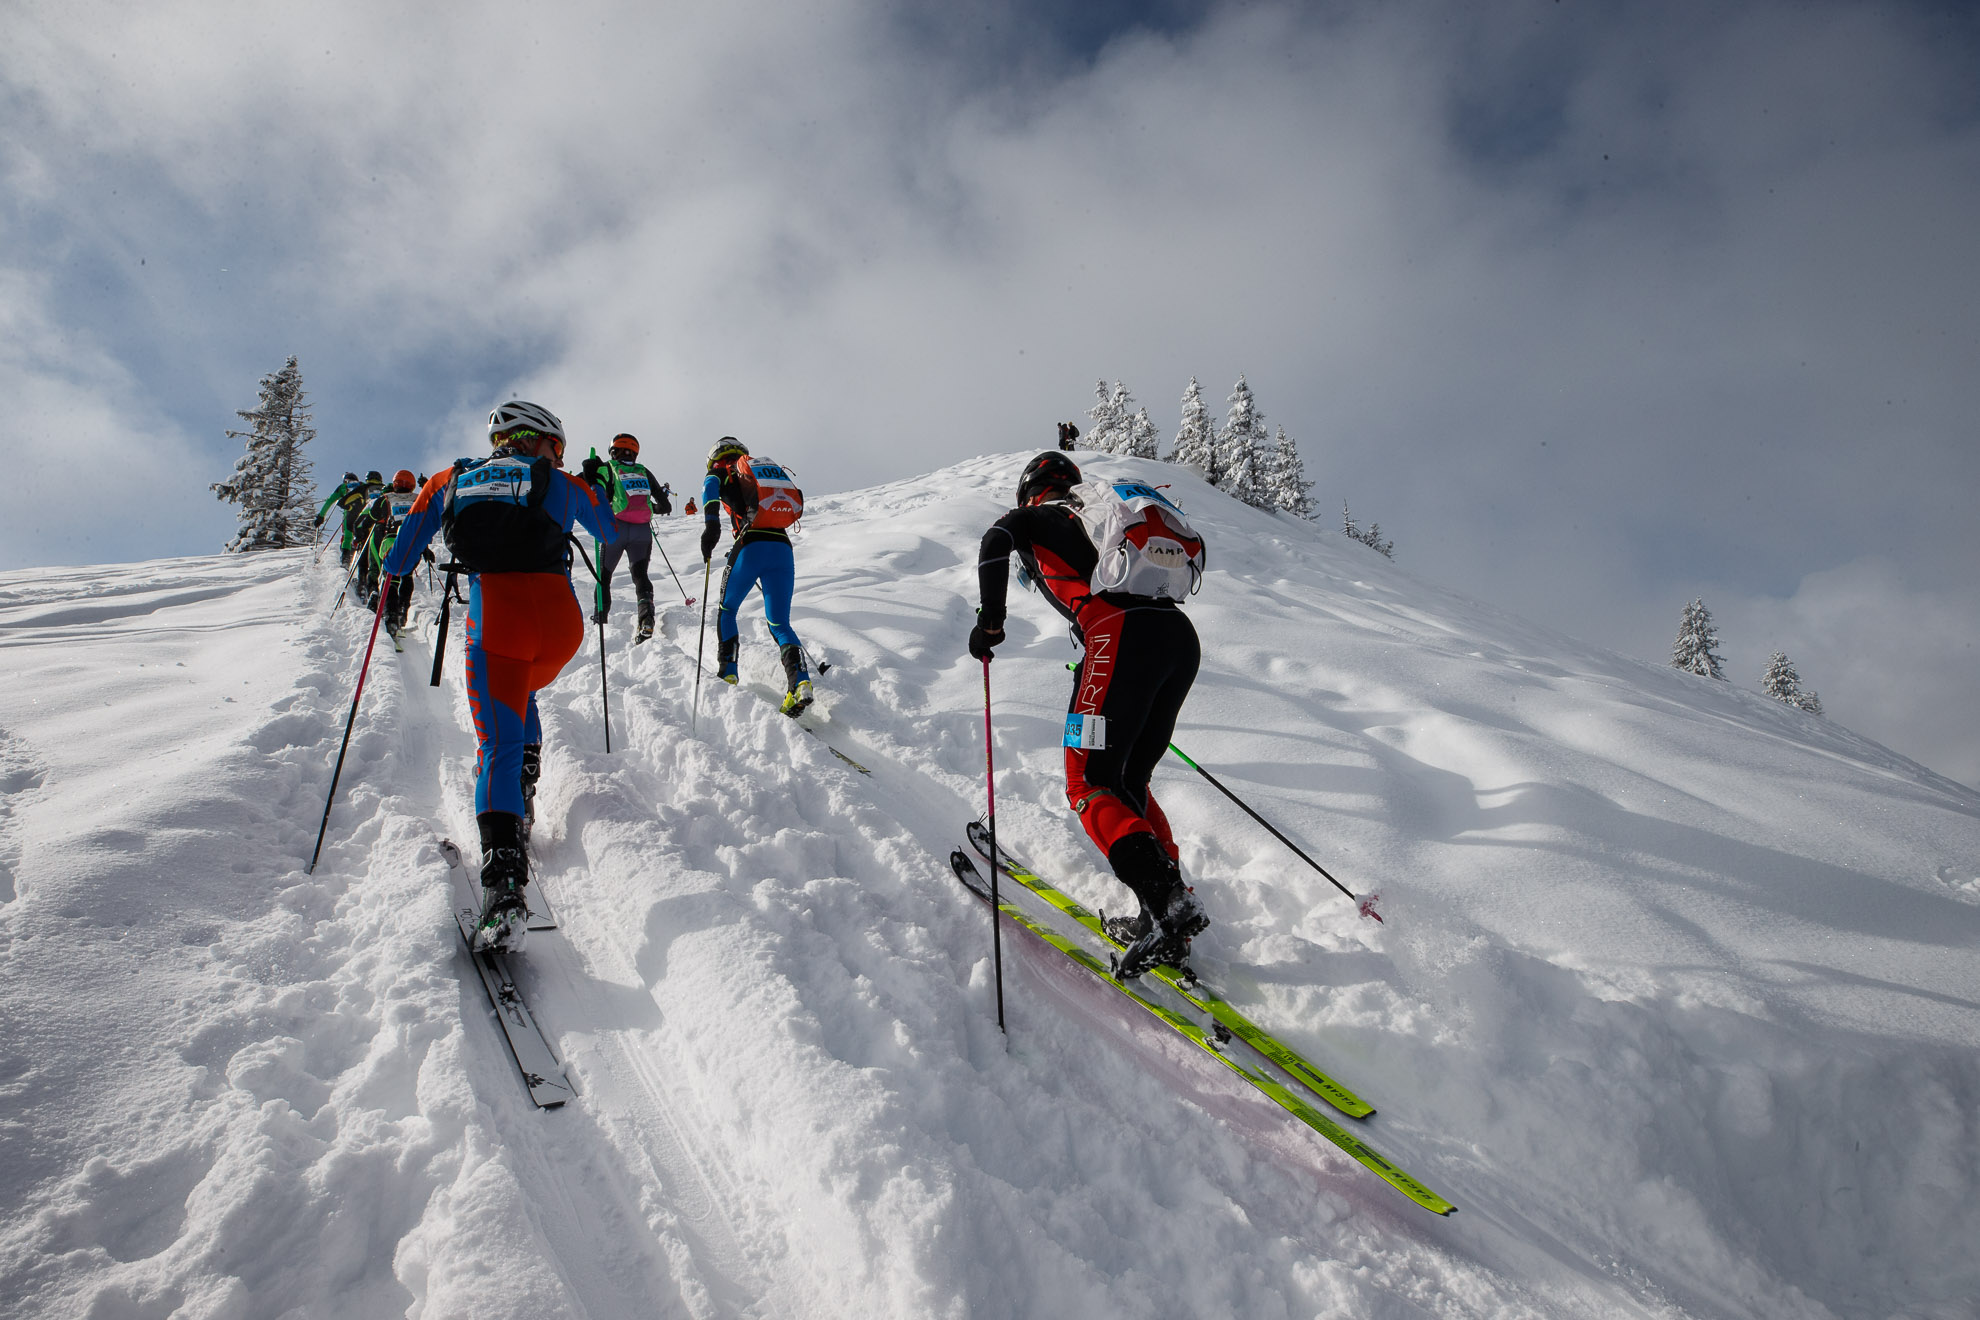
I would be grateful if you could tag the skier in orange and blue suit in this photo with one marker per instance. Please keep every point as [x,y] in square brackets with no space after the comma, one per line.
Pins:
[507,518]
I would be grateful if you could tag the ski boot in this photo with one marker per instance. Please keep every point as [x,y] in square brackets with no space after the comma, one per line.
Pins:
[798,698]
[1172,912]
[645,629]
[504,872]
[1124,931]
[532,770]
[726,653]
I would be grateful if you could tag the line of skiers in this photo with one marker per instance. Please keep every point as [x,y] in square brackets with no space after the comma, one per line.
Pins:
[1114,559]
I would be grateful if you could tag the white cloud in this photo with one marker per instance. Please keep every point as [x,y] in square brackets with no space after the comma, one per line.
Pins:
[1586,304]
[89,471]
[1892,660]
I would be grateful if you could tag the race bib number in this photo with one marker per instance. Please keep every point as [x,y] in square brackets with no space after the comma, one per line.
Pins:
[499,480]
[1088,732]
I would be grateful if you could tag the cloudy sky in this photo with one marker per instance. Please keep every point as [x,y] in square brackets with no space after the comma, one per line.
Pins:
[1596,307]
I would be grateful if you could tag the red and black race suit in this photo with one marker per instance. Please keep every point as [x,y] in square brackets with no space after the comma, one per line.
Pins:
[1141,658]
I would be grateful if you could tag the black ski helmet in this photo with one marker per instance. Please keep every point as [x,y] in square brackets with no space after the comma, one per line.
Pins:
[374,478]
[728,447]
[1051,470]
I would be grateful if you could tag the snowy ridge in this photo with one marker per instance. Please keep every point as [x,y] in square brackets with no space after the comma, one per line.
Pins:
[1677,998]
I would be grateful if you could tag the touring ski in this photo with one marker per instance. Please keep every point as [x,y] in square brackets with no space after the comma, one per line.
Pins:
[1185,983]
[541,917]
[1211,1043]
[549,1085]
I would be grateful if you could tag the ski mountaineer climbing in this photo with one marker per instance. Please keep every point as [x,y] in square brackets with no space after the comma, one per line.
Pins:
[1140,659]
[349,497]
[507,519]
[366,570]
[663,499]
[629,488]
[386,516]
[763,503]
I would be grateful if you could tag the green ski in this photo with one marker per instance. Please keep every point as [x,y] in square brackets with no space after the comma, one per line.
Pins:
[1288,1100]
[1185,984]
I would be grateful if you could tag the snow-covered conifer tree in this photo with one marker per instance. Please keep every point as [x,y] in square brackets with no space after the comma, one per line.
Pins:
[1372,538]
[1238,446]
[1783,684]
[1142,441]
[1286,483]
[271,480]
[1695,650]
[1196,443]
[1111,415]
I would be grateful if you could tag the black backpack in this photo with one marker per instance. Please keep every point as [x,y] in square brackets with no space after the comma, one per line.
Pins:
[495,521]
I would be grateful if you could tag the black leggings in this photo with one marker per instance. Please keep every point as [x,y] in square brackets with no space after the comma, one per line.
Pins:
[1140,662]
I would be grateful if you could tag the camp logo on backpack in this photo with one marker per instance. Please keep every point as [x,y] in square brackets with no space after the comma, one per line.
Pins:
[779,502]
[494,520]
[1146,546]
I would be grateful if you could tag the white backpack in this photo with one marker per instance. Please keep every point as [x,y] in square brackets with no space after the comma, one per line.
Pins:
[1146,545]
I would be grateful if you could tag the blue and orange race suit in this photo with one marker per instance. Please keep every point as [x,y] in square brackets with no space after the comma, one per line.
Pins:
[522,629]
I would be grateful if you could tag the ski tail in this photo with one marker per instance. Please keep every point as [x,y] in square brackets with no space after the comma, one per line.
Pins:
[1186,983]
[1209,1043]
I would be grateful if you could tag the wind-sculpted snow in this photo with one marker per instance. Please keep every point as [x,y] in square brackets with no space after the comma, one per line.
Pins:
[1677,997]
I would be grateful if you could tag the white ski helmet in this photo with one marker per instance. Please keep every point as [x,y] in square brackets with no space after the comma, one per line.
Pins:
[517,413]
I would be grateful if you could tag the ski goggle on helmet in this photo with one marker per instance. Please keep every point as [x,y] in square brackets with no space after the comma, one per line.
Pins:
[622,443]
[519,420]
[727,450]
[1050,471]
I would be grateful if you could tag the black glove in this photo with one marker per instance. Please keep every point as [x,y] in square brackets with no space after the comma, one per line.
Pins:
[319,520]
[709,536]
[428,555]
[981,639]
[592,467]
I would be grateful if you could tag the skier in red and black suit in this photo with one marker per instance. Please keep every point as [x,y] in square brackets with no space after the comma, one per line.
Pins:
[1141,658]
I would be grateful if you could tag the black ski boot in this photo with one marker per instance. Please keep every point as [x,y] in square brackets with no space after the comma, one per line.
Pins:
[504,873]
[1173,913]
[1124,931]
[727,653]
[532,770]
[797,681]
[645,630]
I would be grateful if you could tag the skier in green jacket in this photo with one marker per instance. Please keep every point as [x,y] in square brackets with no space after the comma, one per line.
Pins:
[350,497]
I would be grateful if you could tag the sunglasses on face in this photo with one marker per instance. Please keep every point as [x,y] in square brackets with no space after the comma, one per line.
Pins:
[524,437]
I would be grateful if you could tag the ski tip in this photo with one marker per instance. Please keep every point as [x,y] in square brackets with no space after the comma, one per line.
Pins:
[450,852]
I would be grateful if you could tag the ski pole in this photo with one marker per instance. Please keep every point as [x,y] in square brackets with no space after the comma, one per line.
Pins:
[685,598]
[440,634]
[348,725]
[1365,906]
[604,703]
[700,645]
[817,665]
[990,786]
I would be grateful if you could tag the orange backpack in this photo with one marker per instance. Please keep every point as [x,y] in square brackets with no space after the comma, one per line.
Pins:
[779,502]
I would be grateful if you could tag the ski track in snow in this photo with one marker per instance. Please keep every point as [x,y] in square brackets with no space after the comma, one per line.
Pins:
[1677,999]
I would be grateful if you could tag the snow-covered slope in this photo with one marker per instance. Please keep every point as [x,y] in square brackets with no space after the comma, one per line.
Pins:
[1677,999]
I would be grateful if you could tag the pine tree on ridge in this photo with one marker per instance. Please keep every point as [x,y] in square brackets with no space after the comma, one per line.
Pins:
[271,480]
[1695,650]
[1783,684]
[1196,442]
